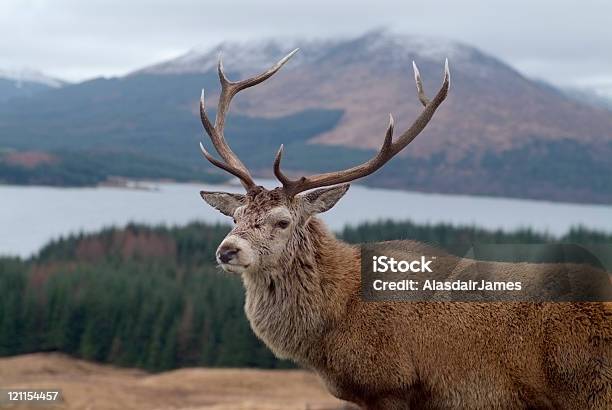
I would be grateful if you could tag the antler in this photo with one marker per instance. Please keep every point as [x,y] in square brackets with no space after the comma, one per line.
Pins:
[388,150]
[229,89]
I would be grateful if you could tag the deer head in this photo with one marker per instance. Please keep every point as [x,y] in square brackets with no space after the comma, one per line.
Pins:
[271,225]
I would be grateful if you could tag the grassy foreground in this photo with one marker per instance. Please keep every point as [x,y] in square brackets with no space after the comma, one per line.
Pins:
[86,385]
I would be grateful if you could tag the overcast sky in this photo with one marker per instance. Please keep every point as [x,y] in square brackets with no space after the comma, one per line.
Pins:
[566,42]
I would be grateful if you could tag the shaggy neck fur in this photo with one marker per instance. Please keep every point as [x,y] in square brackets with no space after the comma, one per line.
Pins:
[290,305]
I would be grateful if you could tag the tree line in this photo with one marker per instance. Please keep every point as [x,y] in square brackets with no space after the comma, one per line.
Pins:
[152,297]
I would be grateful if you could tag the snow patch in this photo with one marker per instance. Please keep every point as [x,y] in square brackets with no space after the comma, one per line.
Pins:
[25,75]
[240,57]
[249,56]
[403,47]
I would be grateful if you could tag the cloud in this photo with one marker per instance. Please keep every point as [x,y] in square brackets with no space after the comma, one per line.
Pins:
[563,41]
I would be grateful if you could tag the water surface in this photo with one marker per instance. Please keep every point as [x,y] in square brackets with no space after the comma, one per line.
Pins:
[30,216]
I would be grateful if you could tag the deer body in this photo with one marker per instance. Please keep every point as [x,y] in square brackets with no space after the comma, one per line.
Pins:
[303,299]
[386,355]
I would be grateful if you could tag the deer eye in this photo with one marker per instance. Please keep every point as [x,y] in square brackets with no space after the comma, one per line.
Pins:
[282,224]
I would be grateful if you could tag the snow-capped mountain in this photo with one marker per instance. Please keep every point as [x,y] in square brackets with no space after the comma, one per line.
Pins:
[370,76]
[26,75]
[598,96]
[25,83]
[498,133]
[243,57]
[237,56]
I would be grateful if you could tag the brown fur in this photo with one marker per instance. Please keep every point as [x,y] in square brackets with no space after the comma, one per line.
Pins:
[306,305]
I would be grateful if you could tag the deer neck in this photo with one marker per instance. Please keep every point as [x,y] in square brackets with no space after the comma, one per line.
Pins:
[290,305]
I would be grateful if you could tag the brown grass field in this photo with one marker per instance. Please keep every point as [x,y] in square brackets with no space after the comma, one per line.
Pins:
[87,385]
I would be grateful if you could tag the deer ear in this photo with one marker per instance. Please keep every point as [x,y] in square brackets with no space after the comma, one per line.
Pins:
[225,202]
[321,200]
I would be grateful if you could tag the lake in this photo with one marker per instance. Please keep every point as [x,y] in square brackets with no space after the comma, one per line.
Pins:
[30,216]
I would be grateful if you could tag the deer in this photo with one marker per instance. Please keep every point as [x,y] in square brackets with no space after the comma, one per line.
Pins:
[303,300]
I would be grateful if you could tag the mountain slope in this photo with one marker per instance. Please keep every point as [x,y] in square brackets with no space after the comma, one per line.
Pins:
[490,104]
[589,96]
[144,119]
[25,83]
[498,133]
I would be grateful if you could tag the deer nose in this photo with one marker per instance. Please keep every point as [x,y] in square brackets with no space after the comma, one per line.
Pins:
[227,253]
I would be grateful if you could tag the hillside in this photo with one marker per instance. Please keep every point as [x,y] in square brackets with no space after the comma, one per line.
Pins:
[491,104]
[86,385]
[499,133]
[25,83]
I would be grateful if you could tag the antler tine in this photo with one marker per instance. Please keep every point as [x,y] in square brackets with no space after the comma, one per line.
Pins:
[234,171]
[419,85]
[232,164]
[210,129]
[231,88]
[423,119]
[388,150]
[277,171]
[293,187]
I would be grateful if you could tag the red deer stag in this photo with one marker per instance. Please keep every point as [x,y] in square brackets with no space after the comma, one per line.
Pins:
[303,300]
